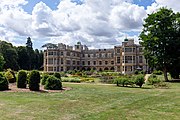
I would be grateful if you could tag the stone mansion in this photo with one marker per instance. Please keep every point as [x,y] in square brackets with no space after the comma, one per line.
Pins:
[125,58]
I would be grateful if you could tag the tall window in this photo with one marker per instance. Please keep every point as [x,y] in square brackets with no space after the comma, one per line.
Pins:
[50,61]
[106,62]
[112,62]
[62,61]
[89,62]
[118,50]
[118,59]
[94,62]
[61,53]
[83,62]
[100,62]
[140,59]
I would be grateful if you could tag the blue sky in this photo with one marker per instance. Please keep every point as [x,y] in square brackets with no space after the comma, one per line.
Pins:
[96,23]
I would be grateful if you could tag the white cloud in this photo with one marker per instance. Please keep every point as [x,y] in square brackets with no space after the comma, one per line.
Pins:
[97,23]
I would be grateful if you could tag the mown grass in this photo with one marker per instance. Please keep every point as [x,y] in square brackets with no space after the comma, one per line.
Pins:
[93,102]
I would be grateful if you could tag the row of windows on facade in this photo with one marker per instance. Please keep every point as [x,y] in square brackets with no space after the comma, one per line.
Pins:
[125,68]
[127,59]
[73,54]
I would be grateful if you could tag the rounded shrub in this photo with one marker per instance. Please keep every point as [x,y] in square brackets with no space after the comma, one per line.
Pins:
[34,80]
[3,83]
[139,80]
[53,83]
[10,76]
[153,79]
[22,79]
[58,75]
[44,78]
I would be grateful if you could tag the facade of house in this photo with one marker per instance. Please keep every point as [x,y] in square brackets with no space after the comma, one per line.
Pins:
[125,58]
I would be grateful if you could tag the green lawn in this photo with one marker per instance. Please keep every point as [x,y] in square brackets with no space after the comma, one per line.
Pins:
[93,102]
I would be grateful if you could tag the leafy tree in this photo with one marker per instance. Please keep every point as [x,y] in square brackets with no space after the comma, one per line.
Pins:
[23,57]
[2,62]
[10,55]
[159,37]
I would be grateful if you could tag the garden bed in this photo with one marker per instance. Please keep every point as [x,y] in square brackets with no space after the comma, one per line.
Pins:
[13,88]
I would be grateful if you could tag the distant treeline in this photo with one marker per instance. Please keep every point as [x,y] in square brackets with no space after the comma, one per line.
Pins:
[21,57]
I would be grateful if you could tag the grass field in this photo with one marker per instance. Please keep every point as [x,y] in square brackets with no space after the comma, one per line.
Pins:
[93,102]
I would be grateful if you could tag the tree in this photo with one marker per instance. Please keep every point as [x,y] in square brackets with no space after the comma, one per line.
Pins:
[2,62]
[30,53]
[10,55]
[160,37]
[23,57]
[29,43]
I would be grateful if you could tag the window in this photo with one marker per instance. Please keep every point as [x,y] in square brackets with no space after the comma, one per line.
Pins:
[100,62]
[128,59]
[50,61]
[50,68]
[62,61]
[61,53]
[118,50]
[83,62]
[100,55]
[128,49]
[78,62]
[89,62]
[112,55]
[112,62]
[94,62]
[140,59]
[62,69]
[74,62]
[68,62]
[106,62]
[88,55]
[118,59]
[50,53]
[68,53]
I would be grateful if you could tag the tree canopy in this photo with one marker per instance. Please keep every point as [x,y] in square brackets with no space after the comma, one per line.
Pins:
[161,39]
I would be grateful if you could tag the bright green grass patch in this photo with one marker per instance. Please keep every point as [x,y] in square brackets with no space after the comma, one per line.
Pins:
[93,102]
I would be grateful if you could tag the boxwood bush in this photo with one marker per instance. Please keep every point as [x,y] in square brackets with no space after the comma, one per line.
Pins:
[139,80]
[153,79]
[10,76]
[3,83]
[34,80]
[53,83]
[58,75]
[44,78]
[22,79]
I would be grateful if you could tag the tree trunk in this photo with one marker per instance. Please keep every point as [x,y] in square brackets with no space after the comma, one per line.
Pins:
[165,75]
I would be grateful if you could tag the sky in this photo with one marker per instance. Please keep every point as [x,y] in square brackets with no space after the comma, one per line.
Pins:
[95,23]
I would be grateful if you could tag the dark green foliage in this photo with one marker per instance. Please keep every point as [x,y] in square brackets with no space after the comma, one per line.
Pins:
[160,36]
[124,81]
[44,78]
[22,79]
[153,79]
[139,80]
[34,80]
[53,83]
[58,75]
[10,55]
[3,83]
[2,62]
[10,76]
[157,72]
